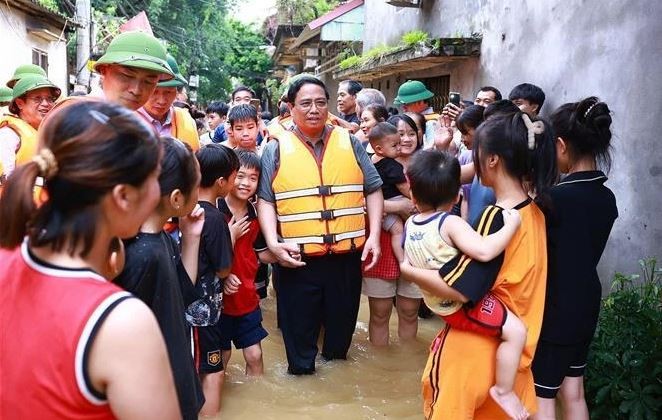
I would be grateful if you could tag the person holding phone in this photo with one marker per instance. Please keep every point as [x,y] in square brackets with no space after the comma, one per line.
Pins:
[486,95]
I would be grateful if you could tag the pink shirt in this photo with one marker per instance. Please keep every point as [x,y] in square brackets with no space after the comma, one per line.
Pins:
[163,128]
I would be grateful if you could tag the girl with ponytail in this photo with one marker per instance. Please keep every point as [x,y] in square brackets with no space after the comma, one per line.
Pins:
[163,276]
[72,330]
[582,213]
[515,156]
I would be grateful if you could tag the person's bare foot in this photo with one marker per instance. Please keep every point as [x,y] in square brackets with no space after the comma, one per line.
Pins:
[509,403]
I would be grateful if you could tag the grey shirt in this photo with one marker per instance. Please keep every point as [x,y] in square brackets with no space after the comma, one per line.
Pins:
[270,161]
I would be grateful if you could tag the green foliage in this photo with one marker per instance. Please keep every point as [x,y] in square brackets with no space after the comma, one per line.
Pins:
[202,39]
[378,52]
[372,54]
[408,40]
[300,12]
[349,62]
[52,5]
[413,38]
[275,88]
[624,376]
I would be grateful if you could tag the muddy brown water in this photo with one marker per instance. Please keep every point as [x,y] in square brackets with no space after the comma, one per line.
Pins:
[374,383]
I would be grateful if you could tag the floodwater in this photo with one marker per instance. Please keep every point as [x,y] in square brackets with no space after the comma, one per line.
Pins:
[374,383]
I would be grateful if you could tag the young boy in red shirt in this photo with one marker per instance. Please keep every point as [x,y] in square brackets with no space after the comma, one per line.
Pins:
[241,318]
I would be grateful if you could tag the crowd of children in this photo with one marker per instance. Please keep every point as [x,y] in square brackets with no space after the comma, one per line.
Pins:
[193,249]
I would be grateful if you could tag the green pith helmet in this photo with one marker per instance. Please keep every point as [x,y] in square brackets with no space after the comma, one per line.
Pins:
[24,70]
[413,91]
[33,82]
[6,95]
[136,49]
[179,79]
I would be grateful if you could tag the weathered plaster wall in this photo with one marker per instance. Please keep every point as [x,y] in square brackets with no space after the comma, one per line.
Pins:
[17,44]
[571,49]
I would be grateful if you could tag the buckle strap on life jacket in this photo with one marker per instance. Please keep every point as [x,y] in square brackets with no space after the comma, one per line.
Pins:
[324,190]
[321,215]
[328,239]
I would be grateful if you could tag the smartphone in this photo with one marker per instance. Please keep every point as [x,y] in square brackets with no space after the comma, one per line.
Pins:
[454,98]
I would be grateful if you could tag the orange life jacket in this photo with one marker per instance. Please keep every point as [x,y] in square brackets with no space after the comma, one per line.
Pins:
[320,204]
[278,125]
[184,128]
[431,117]
[27,148]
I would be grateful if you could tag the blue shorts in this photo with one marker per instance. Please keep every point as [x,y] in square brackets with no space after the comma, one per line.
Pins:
[242,331]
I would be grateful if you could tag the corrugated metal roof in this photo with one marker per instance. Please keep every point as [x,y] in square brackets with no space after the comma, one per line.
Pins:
[34,8]
[333,14]
[313,29]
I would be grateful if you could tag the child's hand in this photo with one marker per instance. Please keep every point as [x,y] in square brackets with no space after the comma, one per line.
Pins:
[192,223]
[511,218]
[238,228]
[231,284]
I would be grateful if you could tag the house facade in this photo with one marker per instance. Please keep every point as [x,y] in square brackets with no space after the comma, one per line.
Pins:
[32,34]
[571,49]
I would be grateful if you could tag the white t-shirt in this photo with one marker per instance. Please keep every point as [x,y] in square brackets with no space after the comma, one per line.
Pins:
[9,144]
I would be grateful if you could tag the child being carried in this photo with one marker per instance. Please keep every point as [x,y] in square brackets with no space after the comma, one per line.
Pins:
[385,141]
[434,237]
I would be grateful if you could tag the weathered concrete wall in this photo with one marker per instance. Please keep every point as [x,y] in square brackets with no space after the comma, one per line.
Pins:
[572,49]
[332,87]
[17,44]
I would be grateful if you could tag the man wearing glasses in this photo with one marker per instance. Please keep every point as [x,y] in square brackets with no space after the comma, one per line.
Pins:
[33,97]
[316,184]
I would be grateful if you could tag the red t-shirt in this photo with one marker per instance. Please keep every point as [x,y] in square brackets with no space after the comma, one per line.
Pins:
[244,265]
[47,323]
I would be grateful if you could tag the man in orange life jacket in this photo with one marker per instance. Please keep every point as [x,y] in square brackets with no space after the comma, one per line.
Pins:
[315,181]
[166,119]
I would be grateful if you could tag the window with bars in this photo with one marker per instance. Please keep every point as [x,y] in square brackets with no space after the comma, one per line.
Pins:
[440,86]
[40,58]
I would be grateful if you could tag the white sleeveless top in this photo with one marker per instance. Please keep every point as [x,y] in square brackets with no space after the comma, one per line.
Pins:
[425,248]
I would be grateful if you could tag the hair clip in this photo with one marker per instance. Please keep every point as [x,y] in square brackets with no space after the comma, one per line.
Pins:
[99,116]
[47,164]
[532,128]
[589,109]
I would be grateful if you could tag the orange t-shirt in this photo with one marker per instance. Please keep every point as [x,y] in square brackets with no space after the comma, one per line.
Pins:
[461,366]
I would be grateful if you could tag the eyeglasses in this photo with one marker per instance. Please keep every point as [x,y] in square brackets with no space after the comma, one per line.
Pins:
[39,99]
[308,105]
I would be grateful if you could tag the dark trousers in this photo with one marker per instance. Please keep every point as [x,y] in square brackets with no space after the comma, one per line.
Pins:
[326,292]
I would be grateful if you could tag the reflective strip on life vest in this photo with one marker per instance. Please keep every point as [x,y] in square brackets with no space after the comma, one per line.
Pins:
[326,239]
[321,190]
[323,215]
